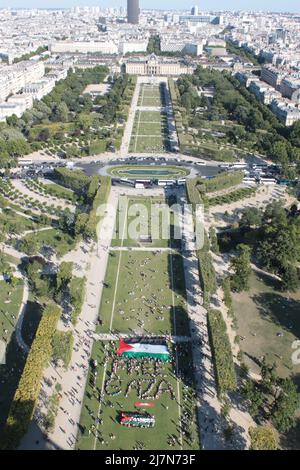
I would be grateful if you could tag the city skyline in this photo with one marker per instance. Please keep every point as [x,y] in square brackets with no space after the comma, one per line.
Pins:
[288,6]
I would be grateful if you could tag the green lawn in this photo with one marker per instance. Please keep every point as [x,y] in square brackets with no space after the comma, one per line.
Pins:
[262,313]
[150,129]
[125,382]
[144,292]
[10,372]
[50,240]
[148,144]
[149,95]
[13,223]
[11,298]
[148,172]
[145,217]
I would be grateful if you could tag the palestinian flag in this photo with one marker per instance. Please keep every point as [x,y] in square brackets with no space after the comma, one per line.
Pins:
[137,420]
[143,350]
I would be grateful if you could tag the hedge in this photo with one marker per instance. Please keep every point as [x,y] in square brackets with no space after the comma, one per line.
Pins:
[25,399]
[207,275]
[192,193]
[77,294]
[223,181]
[233,196]
[100,198]
[222,354]
[73,179]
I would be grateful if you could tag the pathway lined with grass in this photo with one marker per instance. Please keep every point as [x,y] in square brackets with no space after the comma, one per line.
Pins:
[121,310]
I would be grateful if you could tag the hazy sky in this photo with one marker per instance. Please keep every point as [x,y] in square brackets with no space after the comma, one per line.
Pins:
[271,5]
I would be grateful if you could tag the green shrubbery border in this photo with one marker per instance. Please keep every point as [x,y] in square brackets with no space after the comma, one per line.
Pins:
[221,352]
[25,399]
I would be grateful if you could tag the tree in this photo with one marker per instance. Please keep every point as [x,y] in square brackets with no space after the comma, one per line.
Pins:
[213,240]
[61,112]
[256,399]
[64,275]
[242,269]
[83,121]
[289,277]
[251,217]
[286,405]
[263,438]
[279,152]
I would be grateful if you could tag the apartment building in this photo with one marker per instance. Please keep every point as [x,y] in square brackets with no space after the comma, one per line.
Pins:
[245,78]
[272,76]
[285,112]
[133,46]
[83,47]
[185,47]
[263,92]
[290,88]
[15,77]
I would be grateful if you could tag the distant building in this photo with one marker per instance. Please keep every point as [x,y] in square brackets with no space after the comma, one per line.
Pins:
[272,76]
[133,11]
[133,46]
[196,18]
[184,47]
[14,77]
[83,47]
[157,66]
[285,112]
[194,11]
[291,89]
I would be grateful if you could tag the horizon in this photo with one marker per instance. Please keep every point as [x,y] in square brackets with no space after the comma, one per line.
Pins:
[291,6]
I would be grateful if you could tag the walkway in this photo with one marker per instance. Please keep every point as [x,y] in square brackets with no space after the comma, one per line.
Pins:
[208,404]
[73,380]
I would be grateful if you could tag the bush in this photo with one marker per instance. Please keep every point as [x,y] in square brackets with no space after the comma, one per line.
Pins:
[263,438]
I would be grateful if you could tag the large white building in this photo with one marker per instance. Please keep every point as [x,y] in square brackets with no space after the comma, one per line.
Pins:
[184,47]
[15,77]
[133,46]
[272,76]
[83,47]
[154,65]
[286,113]
[291,89]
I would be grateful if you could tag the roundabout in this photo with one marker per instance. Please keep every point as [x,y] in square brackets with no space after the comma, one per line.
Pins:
[148,171]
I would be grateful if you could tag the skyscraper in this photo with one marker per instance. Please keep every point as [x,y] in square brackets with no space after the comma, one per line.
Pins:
[195,11]
[133,11]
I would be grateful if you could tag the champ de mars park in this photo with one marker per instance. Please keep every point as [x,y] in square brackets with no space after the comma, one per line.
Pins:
[149,268]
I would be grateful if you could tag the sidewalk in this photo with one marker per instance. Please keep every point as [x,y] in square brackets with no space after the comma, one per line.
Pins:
[74,379]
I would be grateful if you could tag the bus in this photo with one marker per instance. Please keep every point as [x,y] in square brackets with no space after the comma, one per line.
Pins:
[25,162]
[166,182]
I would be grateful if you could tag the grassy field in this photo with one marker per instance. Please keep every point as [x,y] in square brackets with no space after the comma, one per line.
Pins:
[262,313]
[149,95]
[150,132]
[124,382]
[11,298]
[13,223]
[52,240]
[150,128]
[148,171]
[140,217]
[144,293]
